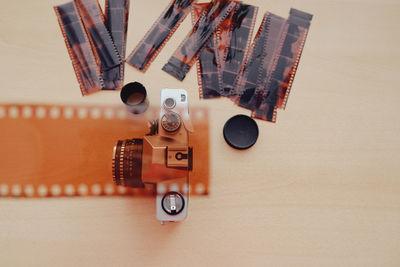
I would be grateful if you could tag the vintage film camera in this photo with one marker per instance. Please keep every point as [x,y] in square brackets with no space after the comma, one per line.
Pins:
[162,157]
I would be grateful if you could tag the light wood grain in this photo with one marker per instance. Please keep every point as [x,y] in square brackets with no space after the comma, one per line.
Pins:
[320,188]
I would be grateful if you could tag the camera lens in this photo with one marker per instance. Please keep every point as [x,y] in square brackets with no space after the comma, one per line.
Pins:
[169,103]
[127,163]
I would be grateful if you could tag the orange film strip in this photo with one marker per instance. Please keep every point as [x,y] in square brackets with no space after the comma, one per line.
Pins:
[51,150]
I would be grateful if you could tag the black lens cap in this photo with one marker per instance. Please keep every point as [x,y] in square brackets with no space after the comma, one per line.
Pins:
[241,132]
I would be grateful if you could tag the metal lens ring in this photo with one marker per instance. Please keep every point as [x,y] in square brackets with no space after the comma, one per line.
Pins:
[127,163]
[171,121]
[169,103]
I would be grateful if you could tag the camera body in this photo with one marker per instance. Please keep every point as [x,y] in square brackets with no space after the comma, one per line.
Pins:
[163,157]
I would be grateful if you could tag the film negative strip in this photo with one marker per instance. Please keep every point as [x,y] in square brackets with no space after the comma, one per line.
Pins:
[52,150]
[95,57]
[105,51]
[269,49]
[299,23]
[159,34]
[235,41]
[116,14]
[207,61]
[106,54]
[184,57]
[219,62]
[223,34]
[86,69]
[279,83]
[249,77]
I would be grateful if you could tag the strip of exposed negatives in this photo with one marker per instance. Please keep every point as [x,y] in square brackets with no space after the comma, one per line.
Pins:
[116,15]
[278,87]
[184,57]
[158,35]
[92,18]
[299,23]
[272,36]
[249,75]
[86,70]
[207,66]
[235,41]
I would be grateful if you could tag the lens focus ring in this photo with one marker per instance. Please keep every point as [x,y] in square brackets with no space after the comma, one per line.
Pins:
[127,163]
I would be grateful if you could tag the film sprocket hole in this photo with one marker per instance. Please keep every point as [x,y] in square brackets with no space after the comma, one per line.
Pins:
[162,157]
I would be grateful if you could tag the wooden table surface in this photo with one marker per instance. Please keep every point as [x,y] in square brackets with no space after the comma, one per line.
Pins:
[321,187]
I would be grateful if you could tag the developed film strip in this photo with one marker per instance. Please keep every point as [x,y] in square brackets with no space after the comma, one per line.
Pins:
[299,23]
[266,77]
[54,151]
[116,14]
[207,61]
[279,83]
[185,55]
[235,41]
[249,77]
[106,54]
[86,69]
[105,51]
[95,57]
[219,62]
[268,50]
[159,34]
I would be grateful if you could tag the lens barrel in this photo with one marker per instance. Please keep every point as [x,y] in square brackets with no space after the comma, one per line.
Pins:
[127,163]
